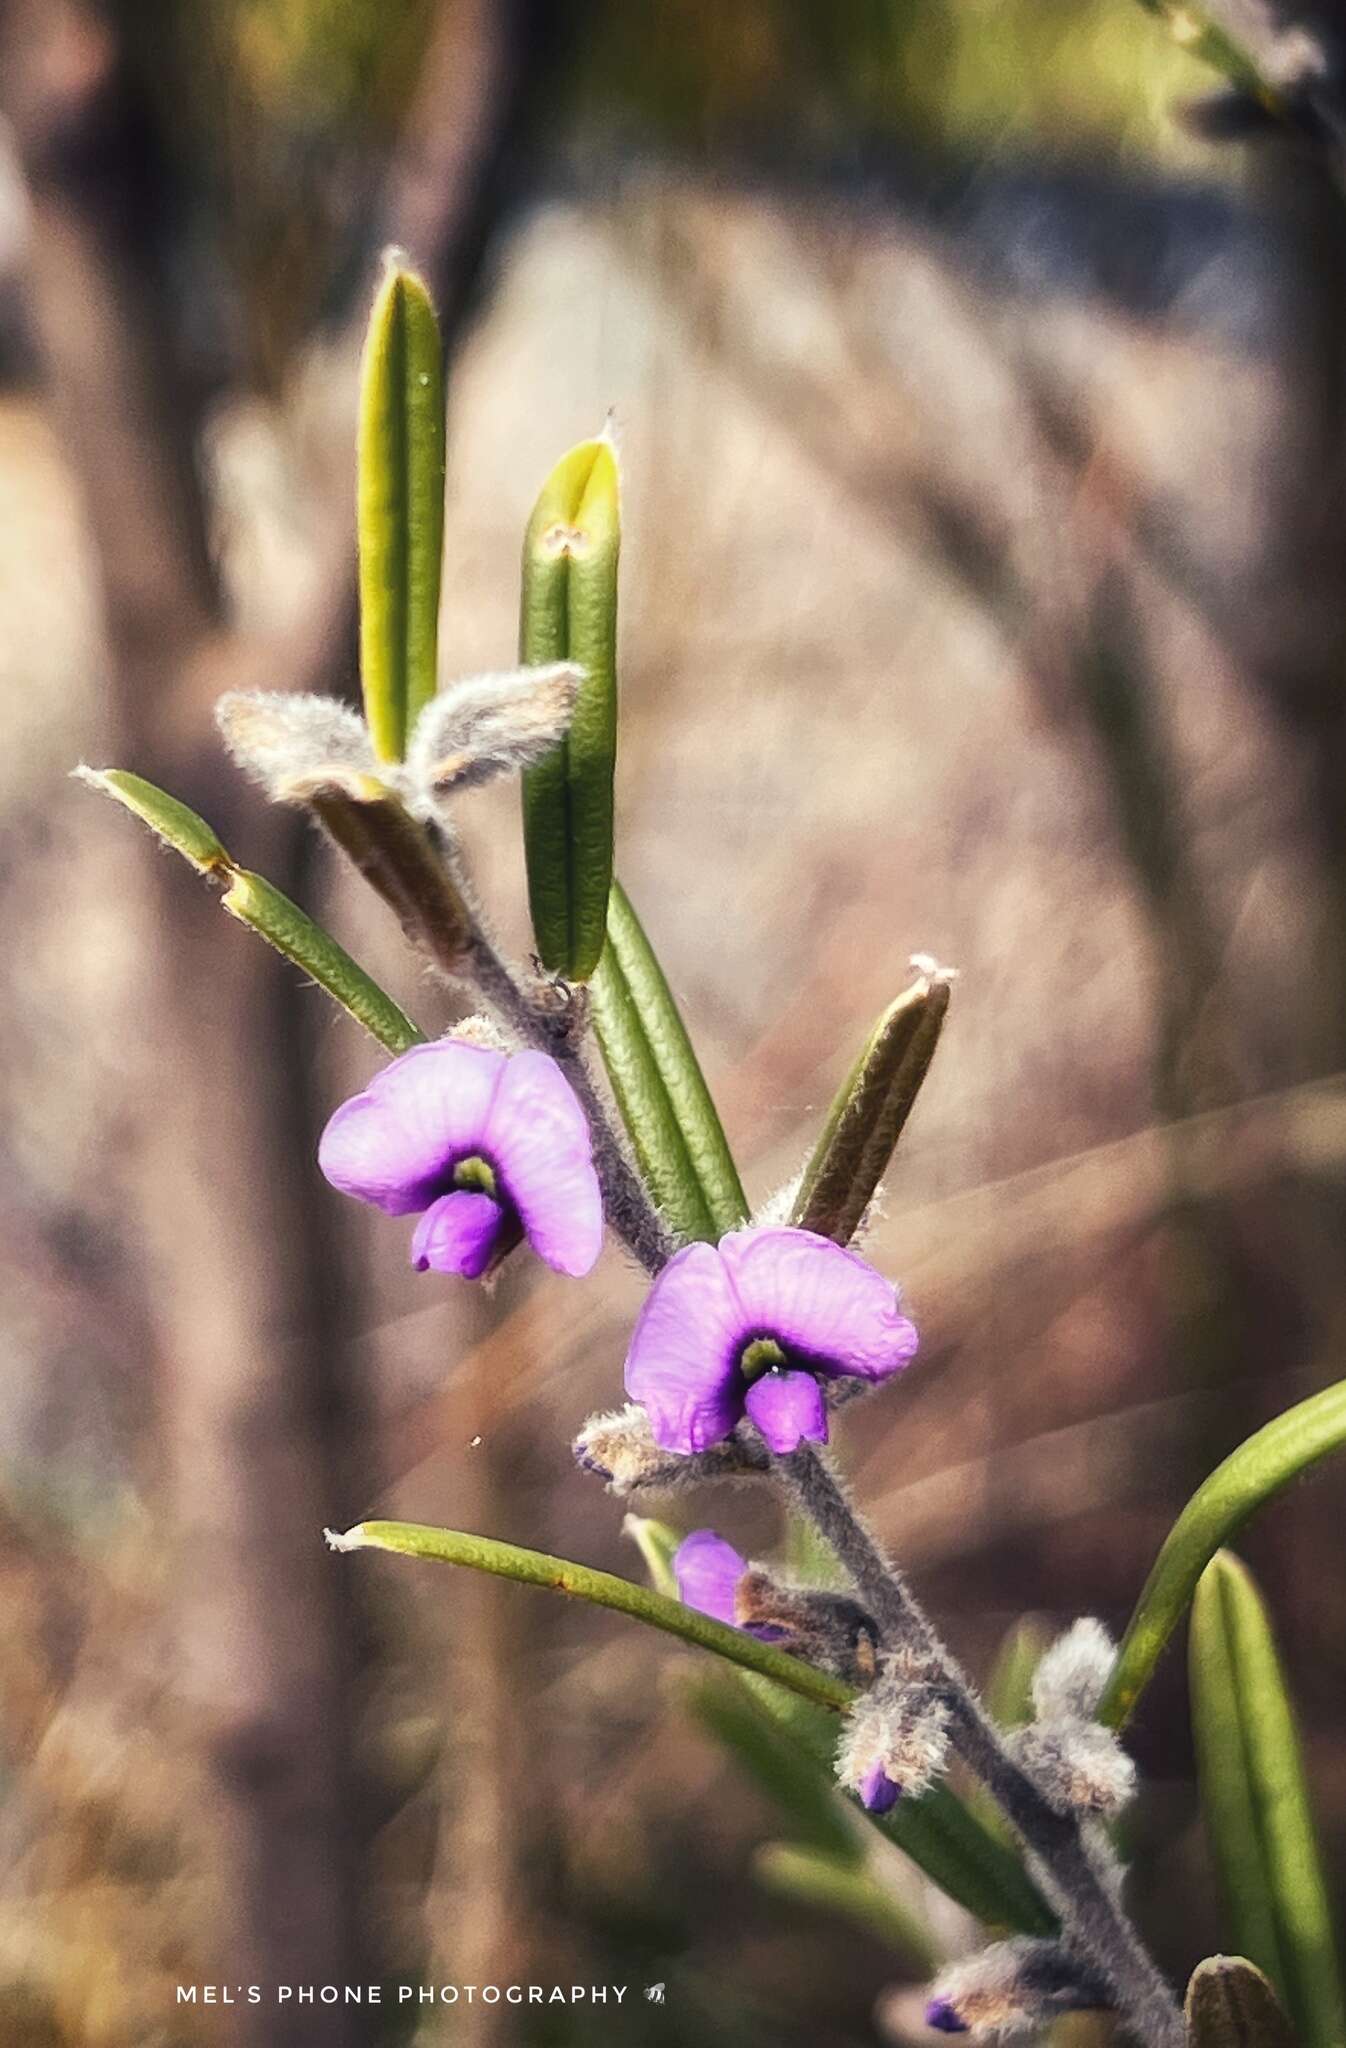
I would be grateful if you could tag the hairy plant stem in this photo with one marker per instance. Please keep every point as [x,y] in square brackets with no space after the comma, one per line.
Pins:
[1076,1879]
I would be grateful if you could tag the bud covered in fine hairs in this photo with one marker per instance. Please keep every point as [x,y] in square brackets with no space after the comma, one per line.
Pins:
[491,725]
[1073,1672]
[826,1629]
[895,1741]
[279,738]
[1011,1990]
[1078,1766]
[619,1448]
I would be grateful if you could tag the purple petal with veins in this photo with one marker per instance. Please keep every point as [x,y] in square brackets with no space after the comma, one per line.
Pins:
[538,1137]
[391,1144]
[819,1299]
[682,1365]
[708,1570]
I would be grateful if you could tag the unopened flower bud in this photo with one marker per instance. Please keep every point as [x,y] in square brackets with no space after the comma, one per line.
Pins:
[895,1741]
[1011,1989]
[1078,1766]
[1073,1672]
[826,1629]
[620,1449]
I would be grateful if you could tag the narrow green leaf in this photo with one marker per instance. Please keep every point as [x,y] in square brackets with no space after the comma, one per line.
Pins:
[836,1884]
[657,1544]
[804,1790]
[665,1104]
[601,1589]
[269,912]
[870,1111]
[400,507]
[1230,2004]
[937,1831]
[178,827]
[263,907]
[1255,1800]
[1249,1476]
[569,613]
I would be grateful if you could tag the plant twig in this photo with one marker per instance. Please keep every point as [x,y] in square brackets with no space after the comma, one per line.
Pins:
[1063,1862]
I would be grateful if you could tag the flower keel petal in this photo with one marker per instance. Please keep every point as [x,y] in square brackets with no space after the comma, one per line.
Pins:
[787,1407]
[457,1234]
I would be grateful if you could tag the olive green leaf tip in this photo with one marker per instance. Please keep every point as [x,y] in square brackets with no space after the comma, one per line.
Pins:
[1231,2004]
[174,823]
[656,1543]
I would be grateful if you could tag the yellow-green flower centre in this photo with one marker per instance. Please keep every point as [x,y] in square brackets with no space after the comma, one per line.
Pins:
[763,1355]
[476,1175]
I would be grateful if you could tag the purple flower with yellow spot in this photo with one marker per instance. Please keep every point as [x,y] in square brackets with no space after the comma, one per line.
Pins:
[487,1147]
[752,1326]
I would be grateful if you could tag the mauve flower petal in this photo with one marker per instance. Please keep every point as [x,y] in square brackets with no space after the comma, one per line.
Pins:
[682,1365]
[826,1301]
[538,1137]
[708,1570]
[878,1792]
[940,2015]
[787,1407]
[391,1144]
[457,1234]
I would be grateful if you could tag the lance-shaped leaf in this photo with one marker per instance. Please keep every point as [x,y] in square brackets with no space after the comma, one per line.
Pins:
[660,1090]
[1255,1801]
[1249,1476]
[261,906]
[936,1831]
[836,1884]
[1230,2004]
[400,507]
[569,613]
[869,1112]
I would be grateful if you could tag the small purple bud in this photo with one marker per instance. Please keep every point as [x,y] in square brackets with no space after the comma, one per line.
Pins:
[878,1792]
[940,2015]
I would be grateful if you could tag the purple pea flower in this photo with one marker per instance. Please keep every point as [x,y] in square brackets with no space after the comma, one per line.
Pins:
[487,1147]
[749,1326]
[708,1570]
[943,2017]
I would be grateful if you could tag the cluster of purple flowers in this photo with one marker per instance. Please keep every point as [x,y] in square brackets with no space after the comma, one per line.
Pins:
[489,1148]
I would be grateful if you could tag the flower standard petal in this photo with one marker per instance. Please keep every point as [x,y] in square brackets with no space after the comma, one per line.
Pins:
[391,1144]
[538,1138]
[683,1362]
[457,1234]
[708,1570]
[787,1407]
[819,1299]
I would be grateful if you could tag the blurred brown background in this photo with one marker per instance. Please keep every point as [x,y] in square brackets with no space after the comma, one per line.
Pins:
[982,594]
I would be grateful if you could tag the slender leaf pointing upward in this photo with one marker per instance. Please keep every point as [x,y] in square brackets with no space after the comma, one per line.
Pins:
[665,1103]
[1249,1476]
[260,905]
[569,613]
[400,501]
[1256,1804]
